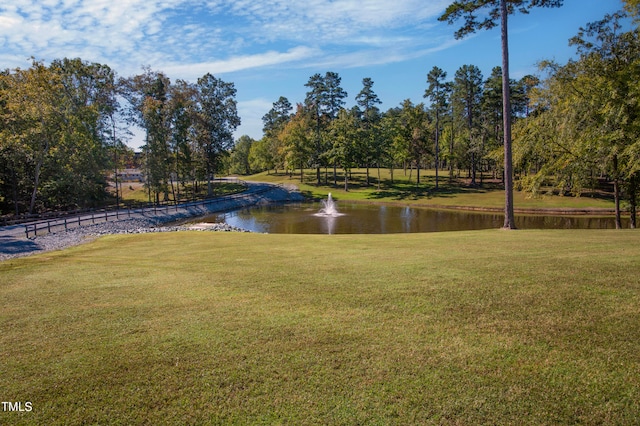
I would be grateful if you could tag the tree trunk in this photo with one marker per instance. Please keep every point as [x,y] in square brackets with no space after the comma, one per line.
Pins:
[437,147]
[14,187]
[173,190]
[451,142]
[633,211]
[36,179]
[36,183]
[473,168]
[509,217]
[633,201]
[616,192]
[209,187]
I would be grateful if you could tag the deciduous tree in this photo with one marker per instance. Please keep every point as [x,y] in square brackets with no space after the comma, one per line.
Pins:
[216,120]
[297,136]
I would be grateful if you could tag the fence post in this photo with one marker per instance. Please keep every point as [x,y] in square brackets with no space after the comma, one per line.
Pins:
[48,226]
[65,224]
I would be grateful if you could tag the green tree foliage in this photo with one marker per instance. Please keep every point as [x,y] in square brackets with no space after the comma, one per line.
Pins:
[467,98]
[371,143]
[397,145]
[262,155]
[633,7]
[89,102]
[62,132]
[216,120]
[156,117]
[189,127]
[240,156]
[277,117]
[492,11]
[54,135]
[269,154]
[346,132]
[437,92]
[182,141]
[298,140]
[323,101]
[587,117]
[150,99]
[412,133]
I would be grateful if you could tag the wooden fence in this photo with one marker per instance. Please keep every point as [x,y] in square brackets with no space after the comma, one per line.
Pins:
[34,229]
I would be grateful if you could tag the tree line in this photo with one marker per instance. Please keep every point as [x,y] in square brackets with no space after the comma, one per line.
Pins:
[586,117]
[64,127]
[458,128]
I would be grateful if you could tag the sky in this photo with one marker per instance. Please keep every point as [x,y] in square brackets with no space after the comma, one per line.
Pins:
[270,48]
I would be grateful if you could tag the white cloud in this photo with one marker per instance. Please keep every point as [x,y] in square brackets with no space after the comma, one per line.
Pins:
[325,20]
[239,63]
[186,38]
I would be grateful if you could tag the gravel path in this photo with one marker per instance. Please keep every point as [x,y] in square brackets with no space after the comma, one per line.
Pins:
[13,242]
[60,240]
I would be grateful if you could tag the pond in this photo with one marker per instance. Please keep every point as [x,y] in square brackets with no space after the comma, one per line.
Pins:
[355,218]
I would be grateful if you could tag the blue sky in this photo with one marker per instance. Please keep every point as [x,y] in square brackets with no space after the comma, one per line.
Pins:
[270,48]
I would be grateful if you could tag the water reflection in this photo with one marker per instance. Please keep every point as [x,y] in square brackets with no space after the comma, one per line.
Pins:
[383,219]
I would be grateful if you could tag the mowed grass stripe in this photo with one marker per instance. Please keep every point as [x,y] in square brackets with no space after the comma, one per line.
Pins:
[533,327]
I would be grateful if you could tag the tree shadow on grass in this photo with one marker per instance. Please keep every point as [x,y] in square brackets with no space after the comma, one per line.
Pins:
[309,195]
[12,246]
[426,190]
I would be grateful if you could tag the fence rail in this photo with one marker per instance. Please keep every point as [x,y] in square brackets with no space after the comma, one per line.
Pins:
[23,218]
[33,229]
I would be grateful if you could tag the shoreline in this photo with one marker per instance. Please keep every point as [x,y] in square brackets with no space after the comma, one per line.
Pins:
[84,234]
[14,244]
[567,211]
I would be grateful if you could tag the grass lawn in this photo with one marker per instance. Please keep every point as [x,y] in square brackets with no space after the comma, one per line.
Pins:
[133,193]
[484,327]
[404,190]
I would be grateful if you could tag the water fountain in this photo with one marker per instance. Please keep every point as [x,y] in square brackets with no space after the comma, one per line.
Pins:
[329,212]
[329,208]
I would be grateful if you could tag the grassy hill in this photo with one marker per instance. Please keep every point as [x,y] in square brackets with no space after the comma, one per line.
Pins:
[404,189]
[484,327]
